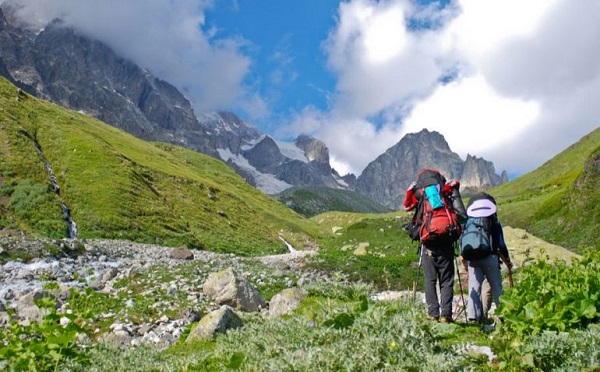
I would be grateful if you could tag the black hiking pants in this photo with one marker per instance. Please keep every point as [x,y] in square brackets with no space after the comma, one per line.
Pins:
[438,268]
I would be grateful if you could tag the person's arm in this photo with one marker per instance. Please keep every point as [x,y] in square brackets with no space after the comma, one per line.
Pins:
[499,243]
[410,199]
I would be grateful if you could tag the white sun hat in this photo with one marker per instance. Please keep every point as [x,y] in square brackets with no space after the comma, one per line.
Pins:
[481,208]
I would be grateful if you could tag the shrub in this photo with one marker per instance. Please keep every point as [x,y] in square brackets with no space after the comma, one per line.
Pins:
[549,300]
[557,297]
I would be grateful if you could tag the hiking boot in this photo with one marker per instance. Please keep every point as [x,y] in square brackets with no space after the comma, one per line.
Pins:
[432,318]
[488,321]
[446,320]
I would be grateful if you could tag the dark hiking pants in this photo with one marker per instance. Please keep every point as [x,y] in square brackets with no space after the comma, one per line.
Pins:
[438,269]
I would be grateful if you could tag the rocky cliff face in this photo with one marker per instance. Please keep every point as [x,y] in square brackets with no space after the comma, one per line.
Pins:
[228,132]
[314,149]
[302,163]
[480,173]
[73,71]
[386,178]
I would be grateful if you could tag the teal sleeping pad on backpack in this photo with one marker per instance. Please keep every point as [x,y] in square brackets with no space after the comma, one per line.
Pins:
[433,195]
[476,240]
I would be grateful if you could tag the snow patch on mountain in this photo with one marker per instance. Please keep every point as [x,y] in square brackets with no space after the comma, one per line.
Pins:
[290,150]
[343,184]
[248,144]
[266,182]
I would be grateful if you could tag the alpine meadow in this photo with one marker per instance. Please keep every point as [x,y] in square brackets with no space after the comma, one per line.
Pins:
[359,285]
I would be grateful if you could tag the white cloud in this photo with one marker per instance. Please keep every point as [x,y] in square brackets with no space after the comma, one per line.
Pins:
[377,61]
[528,77]
[379,46]
[166,38]
[352,143]
[472,116]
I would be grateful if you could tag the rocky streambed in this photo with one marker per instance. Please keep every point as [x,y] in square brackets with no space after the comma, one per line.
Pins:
[140,293]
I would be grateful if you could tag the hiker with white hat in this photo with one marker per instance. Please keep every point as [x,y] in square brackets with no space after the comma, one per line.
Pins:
[482,247]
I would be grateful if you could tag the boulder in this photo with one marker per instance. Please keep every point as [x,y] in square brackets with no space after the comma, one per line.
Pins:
[218,321]
[285,301]
[182,253]
[227,287]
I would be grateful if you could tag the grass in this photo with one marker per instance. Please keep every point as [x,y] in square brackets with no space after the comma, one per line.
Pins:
[559,200]
[335,328]
[372,248]
[339,328]
[523,247]
[119,187]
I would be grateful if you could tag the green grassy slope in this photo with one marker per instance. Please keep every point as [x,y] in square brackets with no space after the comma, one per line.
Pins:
[120,187]
[559,201]
[310,201]
[372,248]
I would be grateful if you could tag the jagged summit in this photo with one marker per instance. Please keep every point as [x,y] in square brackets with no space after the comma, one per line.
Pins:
[387,177]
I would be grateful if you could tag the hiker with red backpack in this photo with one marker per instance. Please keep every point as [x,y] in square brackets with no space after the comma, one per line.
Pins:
[438,207]
[482,247]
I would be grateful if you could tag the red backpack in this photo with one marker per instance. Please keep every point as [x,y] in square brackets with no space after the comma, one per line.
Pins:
[435,219]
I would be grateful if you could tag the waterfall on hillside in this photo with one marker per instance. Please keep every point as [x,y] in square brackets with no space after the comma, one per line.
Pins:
[71,225]
[288,245]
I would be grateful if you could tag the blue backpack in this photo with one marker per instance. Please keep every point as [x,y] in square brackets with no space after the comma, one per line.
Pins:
[476,239]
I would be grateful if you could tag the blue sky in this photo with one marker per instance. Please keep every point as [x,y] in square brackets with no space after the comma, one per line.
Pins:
[512,81]
[284,41]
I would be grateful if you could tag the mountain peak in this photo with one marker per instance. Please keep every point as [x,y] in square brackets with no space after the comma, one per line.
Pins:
[386,178]
[314,149]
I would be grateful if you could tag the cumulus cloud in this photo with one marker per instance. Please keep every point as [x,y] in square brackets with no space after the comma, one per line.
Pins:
[524,79]
[167,38]
[377,61]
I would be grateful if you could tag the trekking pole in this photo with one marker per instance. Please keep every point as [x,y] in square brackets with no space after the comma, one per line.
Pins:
[418,271]
[506,262]
[462,296]
[459,309]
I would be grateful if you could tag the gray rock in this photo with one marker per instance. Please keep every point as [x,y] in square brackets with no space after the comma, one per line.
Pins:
[386,178]
[285,301]
[122,259]
[217,321]
[182,253]
[227,287]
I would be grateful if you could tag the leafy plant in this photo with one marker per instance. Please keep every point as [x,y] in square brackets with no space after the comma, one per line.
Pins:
[557,296]
[548,298]
[334,335]
[42,346]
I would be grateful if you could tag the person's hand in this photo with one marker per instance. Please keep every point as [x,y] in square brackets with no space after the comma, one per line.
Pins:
[453,183]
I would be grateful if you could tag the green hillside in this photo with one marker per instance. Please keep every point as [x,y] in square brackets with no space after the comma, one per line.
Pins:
[559,201]
[312,200]
[117,186]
